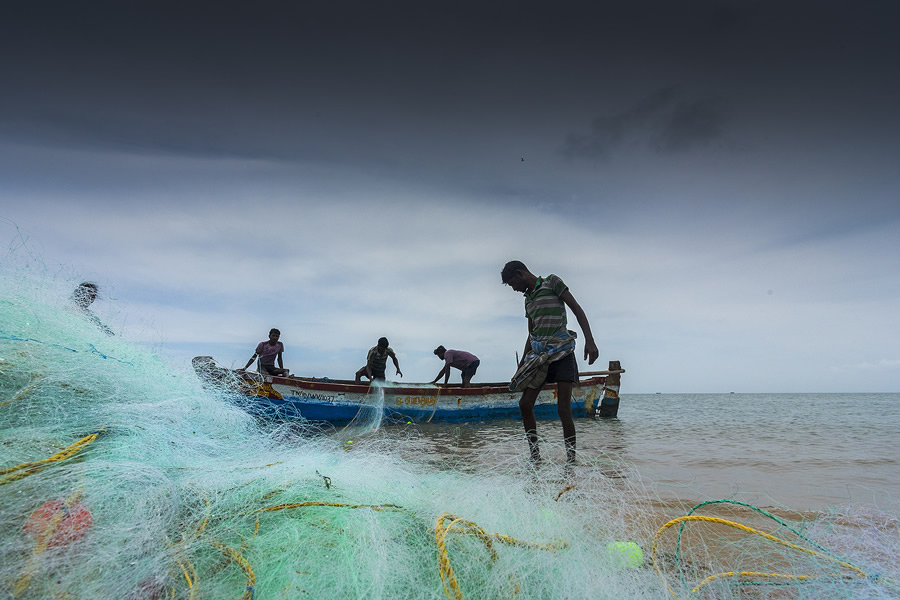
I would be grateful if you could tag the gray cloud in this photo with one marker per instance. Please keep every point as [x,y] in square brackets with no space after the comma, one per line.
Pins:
[608,132]
[691,124]
[661,119]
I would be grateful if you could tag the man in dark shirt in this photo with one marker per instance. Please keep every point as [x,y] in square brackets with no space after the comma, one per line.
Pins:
[376,361]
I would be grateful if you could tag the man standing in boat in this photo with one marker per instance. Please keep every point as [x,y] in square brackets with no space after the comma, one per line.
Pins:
[459,359]
[376,361]
[549,355]
[267,351]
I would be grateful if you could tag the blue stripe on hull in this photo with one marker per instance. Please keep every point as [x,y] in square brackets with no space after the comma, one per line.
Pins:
[300,409]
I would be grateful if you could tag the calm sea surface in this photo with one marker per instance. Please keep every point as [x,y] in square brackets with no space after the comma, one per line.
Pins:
[803,451]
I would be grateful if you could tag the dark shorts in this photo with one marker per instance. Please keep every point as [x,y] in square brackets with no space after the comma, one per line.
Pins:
[379,376]
[563,370]
[267,369]
[470,369]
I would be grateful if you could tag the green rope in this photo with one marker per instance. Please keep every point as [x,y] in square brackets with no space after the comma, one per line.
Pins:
[775,518]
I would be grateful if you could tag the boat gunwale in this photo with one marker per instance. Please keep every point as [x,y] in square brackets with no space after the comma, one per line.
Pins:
[421,389]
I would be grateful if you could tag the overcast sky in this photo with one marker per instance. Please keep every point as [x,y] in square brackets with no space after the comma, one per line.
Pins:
[717,182]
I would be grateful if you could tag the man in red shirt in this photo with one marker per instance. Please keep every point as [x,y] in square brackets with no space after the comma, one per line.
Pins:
[459,359]
[267,351]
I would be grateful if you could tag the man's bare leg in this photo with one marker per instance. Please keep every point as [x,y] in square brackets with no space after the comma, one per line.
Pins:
[564,410]
[526,407]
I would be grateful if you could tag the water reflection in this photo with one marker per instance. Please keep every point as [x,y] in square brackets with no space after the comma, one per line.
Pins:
[499,445]
[605,442]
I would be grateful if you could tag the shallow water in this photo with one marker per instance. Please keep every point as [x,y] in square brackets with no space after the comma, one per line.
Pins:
[807,451]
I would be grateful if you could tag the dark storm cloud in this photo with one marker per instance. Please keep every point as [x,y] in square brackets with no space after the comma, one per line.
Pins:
[691,124]
[608,132]
[663,119]
[374,83]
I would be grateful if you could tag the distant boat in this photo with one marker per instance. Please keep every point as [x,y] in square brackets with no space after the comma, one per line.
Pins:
[341,401]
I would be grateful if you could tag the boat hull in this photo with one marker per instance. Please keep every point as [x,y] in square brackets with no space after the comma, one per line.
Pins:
[344,401]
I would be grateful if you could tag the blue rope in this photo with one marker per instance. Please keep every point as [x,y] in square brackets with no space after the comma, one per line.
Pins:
[92,349]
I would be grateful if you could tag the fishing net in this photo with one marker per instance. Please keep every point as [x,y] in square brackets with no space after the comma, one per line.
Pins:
[122,476]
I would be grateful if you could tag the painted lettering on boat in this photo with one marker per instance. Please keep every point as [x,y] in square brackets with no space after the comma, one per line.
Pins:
[320,397]
[416,400]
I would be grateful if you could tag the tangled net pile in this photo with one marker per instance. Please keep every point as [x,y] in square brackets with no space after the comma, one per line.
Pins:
[121,477]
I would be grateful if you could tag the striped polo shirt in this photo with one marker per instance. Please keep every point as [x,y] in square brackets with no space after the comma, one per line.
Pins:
[545,308]
[379,361]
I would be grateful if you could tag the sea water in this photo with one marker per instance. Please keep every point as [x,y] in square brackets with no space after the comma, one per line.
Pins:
[121,476]
[807,451]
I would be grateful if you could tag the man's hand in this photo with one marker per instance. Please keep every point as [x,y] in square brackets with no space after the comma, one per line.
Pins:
[590,351]
[399,373]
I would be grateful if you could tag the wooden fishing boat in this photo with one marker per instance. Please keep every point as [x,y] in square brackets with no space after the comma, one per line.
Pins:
[596,395]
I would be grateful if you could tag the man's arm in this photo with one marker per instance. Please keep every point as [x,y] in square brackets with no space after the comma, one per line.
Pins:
[590,348]
[527,349]
[444,370]
[250,362]
[96,321]
[369,364]
[396,364]
[280,361]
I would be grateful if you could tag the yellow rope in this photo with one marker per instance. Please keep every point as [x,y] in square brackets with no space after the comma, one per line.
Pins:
[192,593]
[239,560]
[206,519]
[30,468]
[568,488]
[712,578]
[454,524]
[434,410]
[448,577]
[378,507]
[358,410]
[858,572]
[334,504]
[191,577]
[24,392]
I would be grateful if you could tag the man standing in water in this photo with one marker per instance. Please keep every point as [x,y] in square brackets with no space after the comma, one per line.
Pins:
[549,355]
[267,351]
[376,361]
